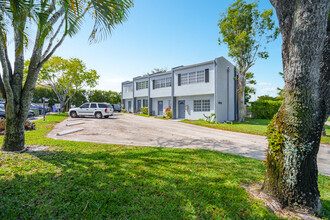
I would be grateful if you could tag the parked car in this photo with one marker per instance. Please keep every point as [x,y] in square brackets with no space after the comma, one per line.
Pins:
[98,110]
[3,112]
[116,107]
[41,109]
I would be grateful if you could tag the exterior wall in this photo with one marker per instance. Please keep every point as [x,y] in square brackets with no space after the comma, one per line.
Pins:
[137,100]
[127,91]
[160,92]
[140,92]
[225,91]
[196,88]
[126,105]
[220,90]
[189,102]
[166,104]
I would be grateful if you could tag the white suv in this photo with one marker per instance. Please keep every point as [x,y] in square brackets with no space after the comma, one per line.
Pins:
[99,110]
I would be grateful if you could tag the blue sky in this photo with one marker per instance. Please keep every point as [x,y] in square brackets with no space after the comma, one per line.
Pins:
[166,34]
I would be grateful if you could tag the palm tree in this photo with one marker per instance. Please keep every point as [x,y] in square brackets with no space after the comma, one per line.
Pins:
[51,21]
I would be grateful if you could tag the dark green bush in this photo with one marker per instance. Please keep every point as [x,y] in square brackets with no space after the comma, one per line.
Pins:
[265,109]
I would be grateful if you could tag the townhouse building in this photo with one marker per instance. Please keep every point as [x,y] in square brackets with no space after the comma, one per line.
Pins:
[192,91]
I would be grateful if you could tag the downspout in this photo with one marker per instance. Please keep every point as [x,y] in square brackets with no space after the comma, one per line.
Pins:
[227,93]
[149,99]
[122,96]
[172,96]
[133,99]
[216,90]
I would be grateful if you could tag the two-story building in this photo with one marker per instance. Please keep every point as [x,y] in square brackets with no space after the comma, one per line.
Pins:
[191,91]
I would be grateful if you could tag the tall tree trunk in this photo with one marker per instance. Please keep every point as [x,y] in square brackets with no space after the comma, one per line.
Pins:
[240,98]
[14,135]
[295,132]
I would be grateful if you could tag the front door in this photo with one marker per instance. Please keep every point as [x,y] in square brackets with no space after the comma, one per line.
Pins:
[182,109]
[129,106]
[139,106]
[160,107]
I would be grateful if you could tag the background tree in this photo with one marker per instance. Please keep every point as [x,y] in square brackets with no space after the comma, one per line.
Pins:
[245,30]
[66,77]
[157,70]
[104,96]
[295,132]
[41,92]
[249,90]
[79,98]
[51,22]
[280,91]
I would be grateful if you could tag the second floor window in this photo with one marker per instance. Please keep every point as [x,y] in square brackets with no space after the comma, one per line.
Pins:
[193,77]
[127,89]
[162,83]
[141,85]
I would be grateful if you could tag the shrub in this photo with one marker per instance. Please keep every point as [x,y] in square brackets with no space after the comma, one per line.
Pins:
[168,113]
[28,126]
[144,110]
[265,109]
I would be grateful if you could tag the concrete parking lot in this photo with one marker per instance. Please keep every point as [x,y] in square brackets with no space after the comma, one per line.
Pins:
[128,129]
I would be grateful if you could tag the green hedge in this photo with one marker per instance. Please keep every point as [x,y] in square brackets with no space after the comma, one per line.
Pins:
[265,109]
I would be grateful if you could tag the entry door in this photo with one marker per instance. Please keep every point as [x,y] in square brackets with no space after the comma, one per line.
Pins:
[129,106]
[160,107]
[182,109]
[139,106]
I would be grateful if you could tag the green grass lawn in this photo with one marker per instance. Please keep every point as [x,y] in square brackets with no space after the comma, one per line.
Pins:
[251,126]
[144,115]
[77,180]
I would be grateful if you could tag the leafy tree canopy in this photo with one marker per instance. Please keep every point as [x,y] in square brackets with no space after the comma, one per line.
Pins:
[66,77]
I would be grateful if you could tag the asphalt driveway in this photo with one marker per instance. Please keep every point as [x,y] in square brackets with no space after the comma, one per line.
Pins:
[128,129]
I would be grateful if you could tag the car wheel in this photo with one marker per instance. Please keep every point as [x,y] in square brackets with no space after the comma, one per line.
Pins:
[73,114]
[2,118]
[98,115]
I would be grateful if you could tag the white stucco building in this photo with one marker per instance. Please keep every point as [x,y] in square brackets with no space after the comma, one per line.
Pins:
[192,91]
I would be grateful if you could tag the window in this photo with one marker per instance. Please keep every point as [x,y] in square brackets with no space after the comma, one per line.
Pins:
[194,77]
[103,106]
[197,105]
[162,83]
[202,105]
[127,89]
[93,105]
[141,85]
[184,79]
[200,76]
[85,105]
[145,102]
[168,82]
[206,106]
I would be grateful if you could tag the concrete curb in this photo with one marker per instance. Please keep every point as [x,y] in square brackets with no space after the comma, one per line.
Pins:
[69,131]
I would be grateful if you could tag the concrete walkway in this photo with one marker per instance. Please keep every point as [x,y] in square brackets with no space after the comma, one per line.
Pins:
[128,129]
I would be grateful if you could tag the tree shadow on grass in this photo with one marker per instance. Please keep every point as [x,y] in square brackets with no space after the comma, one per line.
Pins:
[131,183]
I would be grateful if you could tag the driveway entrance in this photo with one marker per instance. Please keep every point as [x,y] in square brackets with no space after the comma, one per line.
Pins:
[129,129]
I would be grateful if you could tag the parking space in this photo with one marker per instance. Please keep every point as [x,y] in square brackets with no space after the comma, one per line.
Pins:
[128,129]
